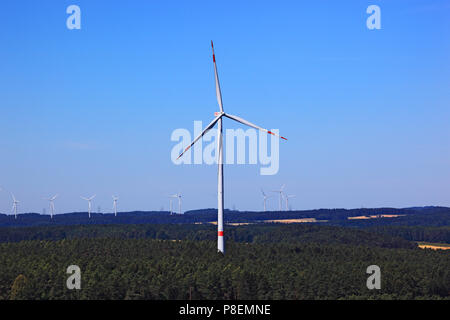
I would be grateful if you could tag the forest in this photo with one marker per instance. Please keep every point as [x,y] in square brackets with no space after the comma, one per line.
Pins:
[179,261]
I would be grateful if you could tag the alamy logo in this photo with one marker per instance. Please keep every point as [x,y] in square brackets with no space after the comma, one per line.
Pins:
[374,20]
[374,280]
[260,148]
[74,280]
[74,20]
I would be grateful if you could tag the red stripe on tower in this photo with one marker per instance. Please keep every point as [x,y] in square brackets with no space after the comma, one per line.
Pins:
[220,233]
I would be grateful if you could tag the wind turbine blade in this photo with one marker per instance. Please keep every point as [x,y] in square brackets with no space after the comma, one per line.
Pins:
[247,123]
[92,197]
[201,134]
[84,198]
[216,75]
[54,197]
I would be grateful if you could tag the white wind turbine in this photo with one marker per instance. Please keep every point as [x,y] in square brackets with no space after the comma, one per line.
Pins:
[51,204]
[218,119]
[115,205]
[89,203]
[281,196]
[265,199]
[171,203]
[14,207]
[286,198]
[178,195]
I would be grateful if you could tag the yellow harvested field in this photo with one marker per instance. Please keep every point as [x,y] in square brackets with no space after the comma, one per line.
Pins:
[434,246]
[238,223]
[376,216]
[304,220]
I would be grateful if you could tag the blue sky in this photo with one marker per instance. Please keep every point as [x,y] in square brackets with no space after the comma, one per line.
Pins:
[91,111]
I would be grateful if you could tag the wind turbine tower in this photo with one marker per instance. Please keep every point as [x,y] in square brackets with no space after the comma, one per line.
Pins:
[115,205]
[219,119]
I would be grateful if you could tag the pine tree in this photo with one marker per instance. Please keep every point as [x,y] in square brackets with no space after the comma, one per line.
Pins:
[18,288]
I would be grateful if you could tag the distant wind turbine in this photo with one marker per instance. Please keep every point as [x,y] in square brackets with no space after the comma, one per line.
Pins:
[178,195]
[171,203]
[218,119]
[115,205]
[286,198]
[14,207]
[265,199]
[89,203]
[51,204]
[281,196]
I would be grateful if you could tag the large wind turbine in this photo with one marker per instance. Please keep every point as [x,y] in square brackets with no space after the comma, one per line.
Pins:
[115,205]
[51,204]
[218,119]
[265,199]
[281,196]
[14,207]
[89,203]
